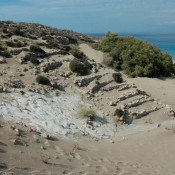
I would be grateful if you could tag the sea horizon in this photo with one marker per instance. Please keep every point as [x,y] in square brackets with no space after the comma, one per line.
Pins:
[165,42]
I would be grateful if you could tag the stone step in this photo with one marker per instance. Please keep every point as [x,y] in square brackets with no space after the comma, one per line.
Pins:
[137,102]
[120,87]
[141,113]
[128,95]
[96,86]
[86,80]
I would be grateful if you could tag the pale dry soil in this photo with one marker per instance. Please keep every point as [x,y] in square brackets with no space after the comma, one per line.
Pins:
[151,152]
[24,150]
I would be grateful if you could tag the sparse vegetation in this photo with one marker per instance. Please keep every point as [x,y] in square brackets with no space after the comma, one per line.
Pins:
[75,51]
[51,43]
[88,113]
[34,60]
[42,80]
[118,113]
[36,49]
[45,159]
[78,67]
[15,44]
[76,146]
[5,53]
[137,58]
[80,64]
[117,77]
[87,64]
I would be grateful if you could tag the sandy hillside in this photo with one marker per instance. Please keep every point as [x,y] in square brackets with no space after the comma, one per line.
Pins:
[41,130]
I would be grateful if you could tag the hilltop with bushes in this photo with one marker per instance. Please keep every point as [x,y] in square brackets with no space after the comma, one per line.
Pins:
[135,57]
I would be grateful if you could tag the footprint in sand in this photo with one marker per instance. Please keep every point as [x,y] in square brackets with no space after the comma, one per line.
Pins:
[75,155]
[85,164]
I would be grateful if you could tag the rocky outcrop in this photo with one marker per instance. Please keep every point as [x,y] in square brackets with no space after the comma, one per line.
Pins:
[86,80]
[16,83]
[35,31]
[24,57]
[170,111]
[139,101]
[128,95]
[96,86]
[46,67]
[16,51]
[3,89]
[142,113]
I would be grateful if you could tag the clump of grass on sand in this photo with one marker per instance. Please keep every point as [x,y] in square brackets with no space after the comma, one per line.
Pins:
[87,113]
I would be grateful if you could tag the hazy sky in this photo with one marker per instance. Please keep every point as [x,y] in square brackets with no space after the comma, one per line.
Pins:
[94,16]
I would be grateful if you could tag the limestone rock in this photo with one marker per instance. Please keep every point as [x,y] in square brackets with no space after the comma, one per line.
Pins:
[46,67]
[16,83]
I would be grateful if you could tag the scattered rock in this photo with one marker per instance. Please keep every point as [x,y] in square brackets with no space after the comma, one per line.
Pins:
[46,67]
[16,83]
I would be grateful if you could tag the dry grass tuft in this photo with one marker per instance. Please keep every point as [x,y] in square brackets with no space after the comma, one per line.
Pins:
[76,146]
[45,159]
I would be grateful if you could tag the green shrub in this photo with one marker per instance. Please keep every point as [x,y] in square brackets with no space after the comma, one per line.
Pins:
[75,51]
[42,80]
[5,53]
[87,112]
[117,77]
[51,43]
[36,49]
[15,44]
[108,42]
[87,64]
[137,58]
[34,60]
[118,113]
[78,67]
[18,32]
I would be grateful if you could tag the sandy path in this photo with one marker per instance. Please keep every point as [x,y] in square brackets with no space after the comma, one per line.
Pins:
[96,55]
[140,154]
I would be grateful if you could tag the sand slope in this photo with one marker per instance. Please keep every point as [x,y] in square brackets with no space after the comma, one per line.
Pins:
[23,149]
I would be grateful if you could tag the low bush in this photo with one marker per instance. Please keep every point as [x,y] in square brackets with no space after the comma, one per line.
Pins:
[75,51]
[15,44]
[78,67]
[137,58]
[5,53]
[51,43]
[34,60]
[36,49]
[42,80]
[118,113]
[87,64]
[117,77]
[87,112]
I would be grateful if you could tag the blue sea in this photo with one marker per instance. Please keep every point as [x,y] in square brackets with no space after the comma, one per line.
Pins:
[166,42]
